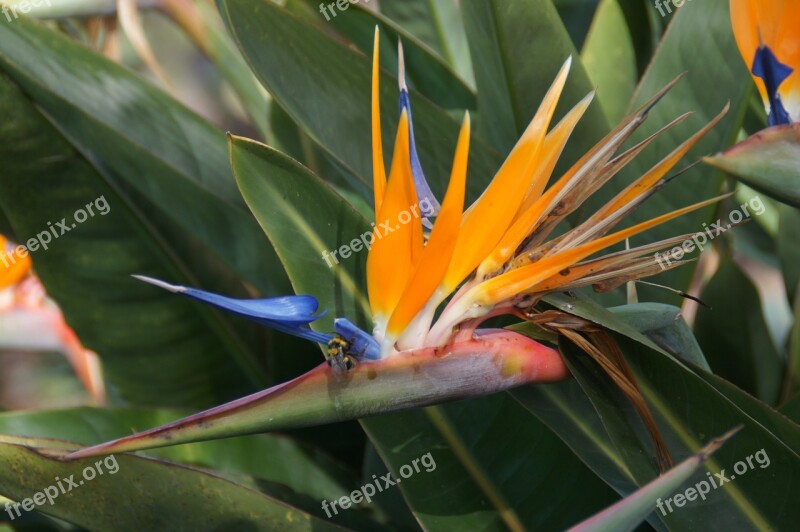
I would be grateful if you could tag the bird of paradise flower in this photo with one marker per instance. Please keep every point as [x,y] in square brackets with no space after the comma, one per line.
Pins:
[769,160]
[493,258]
[26,309]
[766,33]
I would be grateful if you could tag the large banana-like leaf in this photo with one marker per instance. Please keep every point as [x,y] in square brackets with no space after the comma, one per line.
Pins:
[425,71]
[628,513]
[738,342]
[610,59]
[516,48]
[158,350]
[143,140]
[686,414]
[684,425]
[168,496]
[438,24]
[269,457]
[789,248]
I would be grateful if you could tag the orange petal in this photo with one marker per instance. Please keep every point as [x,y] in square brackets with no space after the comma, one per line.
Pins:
[652,176]
[587,175]
[378,169]
[526,217]
[554,144]
[13,266]
[524,279]
[430,270]
[582,270]
[488,218]
[398,235]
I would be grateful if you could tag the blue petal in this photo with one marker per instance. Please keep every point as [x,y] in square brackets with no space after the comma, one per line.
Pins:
[301,332]
[291,310]
[287,313]
[427,201]
[362,344]
[767,67]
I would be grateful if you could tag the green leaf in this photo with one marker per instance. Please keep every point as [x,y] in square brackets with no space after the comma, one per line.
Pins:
[141,139]
[695,410]
[791,383]
[577,17]
[438,24]
[784,429]
[166,495]
[521,482]
[324,86]
[684,414]
[425,71]
[665,326]
[293,206]
[619,418]
[155,347]
[768,161]
[610,59]
[566,410]
[789,248]
[517,48]
[589,310]
[791,408]
[735,336]
[532,463]
[629,512]
[303,469]
[688,404]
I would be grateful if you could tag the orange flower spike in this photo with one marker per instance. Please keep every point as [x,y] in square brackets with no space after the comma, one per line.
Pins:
[554,144]
[389,263]
[525,279]
[437,253]
[378,168]
[529,215]
[652,176]
[490,216]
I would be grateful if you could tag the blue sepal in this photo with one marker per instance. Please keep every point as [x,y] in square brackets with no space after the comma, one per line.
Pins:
[767,67]
[288,314]
[362,345]
[427,201]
